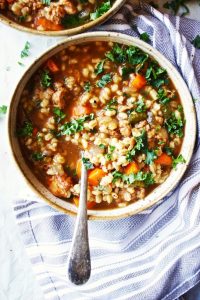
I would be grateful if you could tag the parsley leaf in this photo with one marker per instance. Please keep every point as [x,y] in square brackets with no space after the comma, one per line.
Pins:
[75,125]
[25,130]
[147,178]
[105,79]
[156,75]
[37,156]
[141,107]
[178,160]
[87,163]
[3,109]
[25,51]
[111,105]
[59,114]
[87,86]
[46,2]
[100,67]
[162,96]
[110,151]
[144,37]
[102,9]
[174,125]
[46,80]
[150,156]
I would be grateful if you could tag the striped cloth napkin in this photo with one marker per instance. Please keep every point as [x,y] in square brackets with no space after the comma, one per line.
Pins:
[154,255]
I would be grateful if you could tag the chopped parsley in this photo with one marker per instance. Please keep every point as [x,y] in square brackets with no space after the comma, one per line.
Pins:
[141,107]
[110,152]
[156,75]
[37,156]
[105,79]
[102,9]
[87,163]
[25,52]
[162,96]
[75,125]
[46,2]
[46,79]
[178,160]
[59,114]
[102,146]
[144,37]
[72,20]
[100,67]
[25,130]
[3,110]
[174,125]
[87,86]
[147,178]
[150,156]
[111,105]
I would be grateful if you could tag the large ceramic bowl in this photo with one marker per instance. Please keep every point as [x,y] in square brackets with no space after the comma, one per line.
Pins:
[186,150]
[116,6]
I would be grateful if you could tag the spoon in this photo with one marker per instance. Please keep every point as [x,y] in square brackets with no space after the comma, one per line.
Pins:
[79,264]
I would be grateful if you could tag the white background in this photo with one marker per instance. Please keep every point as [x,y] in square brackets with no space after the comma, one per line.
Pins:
[16,277]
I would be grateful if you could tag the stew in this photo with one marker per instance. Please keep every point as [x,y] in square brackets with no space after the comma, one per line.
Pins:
[54,15]
[115,103]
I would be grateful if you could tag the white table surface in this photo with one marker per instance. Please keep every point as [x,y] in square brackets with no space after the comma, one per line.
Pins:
[17,281]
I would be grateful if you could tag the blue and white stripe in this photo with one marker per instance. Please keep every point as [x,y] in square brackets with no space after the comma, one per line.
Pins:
[156,254]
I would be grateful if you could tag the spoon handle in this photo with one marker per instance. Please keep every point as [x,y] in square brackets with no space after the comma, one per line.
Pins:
[79,264]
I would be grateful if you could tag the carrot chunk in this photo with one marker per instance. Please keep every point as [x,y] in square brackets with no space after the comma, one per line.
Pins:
[78,168]
[95,176]
[47,25]
[90,205]
[138,82]
[132,168]
[52,66]
[164,160]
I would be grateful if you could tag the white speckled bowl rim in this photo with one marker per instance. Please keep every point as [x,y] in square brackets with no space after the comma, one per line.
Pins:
[186,150]
[67,32]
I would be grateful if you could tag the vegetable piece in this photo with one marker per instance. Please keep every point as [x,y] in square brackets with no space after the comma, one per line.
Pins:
[78,168]
[75,125]
[81,110]
[95,176]
[144,37]
[47,25]
[3,110]
[90,205]
[164,160]
[25,51]
[25,130]
[87,163]
[102,9]
[35,131]
[46,79]
[138,82]
[178,160]
[132,168]
[136,117]
[52,66]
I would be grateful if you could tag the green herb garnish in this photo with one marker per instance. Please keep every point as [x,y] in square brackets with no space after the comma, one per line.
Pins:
[87,163]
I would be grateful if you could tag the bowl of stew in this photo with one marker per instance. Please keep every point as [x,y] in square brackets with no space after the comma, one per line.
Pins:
[63,17]
[119,101]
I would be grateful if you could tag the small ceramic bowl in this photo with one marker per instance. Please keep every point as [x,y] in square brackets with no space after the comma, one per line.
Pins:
[186,150]
[72,31]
